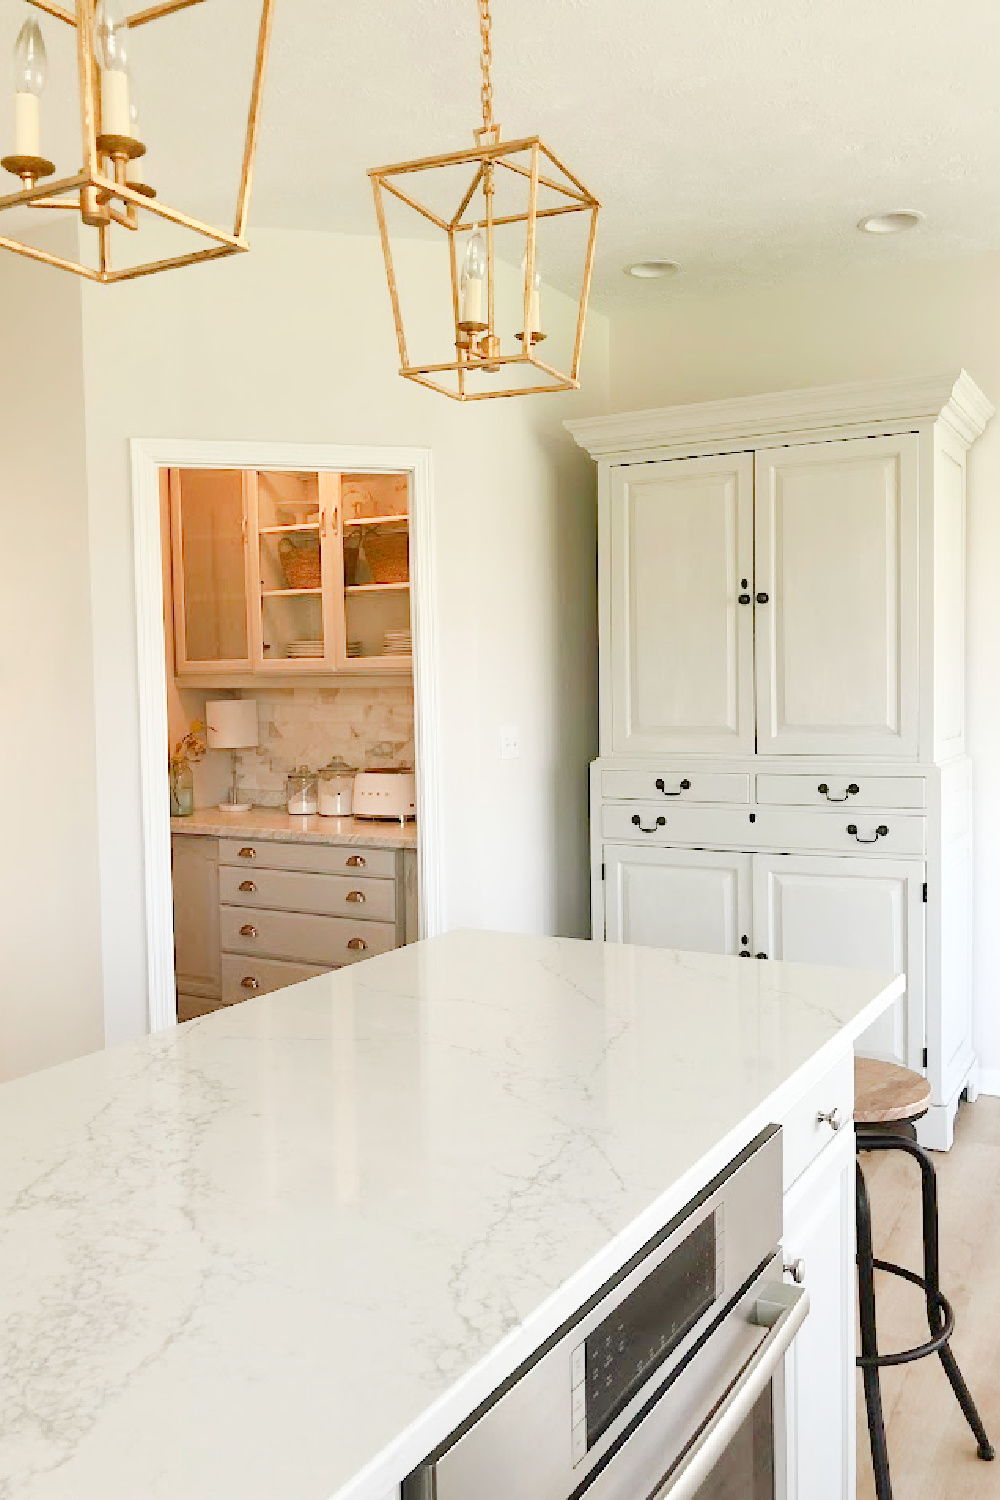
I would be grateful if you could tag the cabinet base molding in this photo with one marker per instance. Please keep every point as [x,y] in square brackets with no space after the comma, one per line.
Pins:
[936,1130]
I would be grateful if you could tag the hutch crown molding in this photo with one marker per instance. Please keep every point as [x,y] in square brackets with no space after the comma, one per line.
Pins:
[783,768]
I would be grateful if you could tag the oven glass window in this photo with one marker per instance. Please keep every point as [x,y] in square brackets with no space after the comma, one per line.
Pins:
[626,1348]
[746,1469]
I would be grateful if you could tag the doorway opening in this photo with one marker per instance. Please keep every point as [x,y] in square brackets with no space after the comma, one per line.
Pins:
[286,640]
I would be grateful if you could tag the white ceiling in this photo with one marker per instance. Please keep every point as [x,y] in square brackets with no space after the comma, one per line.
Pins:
[743,140]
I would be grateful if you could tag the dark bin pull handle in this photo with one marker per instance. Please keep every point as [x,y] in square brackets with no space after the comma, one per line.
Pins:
[660,823]
[880,833]
[684,787]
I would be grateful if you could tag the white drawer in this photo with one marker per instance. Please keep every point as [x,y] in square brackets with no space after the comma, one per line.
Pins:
[783,829]
[244,977]
[807,1128]
[678,786]
[323,859]
[824,790]
[293,890]
[326,941]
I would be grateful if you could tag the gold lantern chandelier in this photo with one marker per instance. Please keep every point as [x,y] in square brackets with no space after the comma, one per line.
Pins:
[103,192]
[501,189]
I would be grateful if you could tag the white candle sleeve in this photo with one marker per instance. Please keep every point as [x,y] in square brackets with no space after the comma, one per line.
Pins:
[115,116]
[472,302]
[534,317]
[27,125]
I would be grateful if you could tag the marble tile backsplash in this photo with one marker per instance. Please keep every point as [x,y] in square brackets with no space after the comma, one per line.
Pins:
[368,724]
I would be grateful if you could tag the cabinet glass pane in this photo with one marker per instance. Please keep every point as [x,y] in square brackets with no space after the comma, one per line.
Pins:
[210,518]
[375,510]
[290,566]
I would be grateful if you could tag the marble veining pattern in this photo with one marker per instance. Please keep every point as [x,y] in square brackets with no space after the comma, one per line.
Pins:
[283,1249]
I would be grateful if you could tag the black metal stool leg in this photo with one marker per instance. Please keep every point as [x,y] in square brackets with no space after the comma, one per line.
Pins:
[935,1316]
[869,1342]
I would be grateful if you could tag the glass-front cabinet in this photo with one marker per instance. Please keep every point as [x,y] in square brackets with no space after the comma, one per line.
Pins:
[286,573]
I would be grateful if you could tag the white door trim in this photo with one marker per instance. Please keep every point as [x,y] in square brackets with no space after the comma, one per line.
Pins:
[149,456]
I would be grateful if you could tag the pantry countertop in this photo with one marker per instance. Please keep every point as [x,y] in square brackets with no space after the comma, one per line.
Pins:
[274,823]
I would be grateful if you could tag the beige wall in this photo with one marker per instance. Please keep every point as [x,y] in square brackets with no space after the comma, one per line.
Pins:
[295,343]
[50,960]
[918,321]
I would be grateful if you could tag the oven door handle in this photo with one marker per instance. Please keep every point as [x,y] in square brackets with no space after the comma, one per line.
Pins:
[781,1309]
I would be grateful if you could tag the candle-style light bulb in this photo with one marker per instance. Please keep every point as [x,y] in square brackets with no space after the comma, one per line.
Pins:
[474,283]
[111,52]
[31,69]
[534,328]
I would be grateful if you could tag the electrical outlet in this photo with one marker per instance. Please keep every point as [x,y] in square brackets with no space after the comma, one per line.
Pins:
[510,742]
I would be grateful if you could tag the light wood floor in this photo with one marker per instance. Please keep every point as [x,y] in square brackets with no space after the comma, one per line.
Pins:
[932,1453]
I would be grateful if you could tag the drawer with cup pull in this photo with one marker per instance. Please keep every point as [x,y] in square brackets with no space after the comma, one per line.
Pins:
[842,789]
[677,786]
[820,1114]
[319,859]
[295,890]
[244,976]
[302,937]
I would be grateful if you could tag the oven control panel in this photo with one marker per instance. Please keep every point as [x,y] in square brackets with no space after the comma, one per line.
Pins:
[612,1364]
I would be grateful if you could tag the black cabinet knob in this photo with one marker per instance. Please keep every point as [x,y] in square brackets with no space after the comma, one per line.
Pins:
[760,955]
[762,598]
[744,598]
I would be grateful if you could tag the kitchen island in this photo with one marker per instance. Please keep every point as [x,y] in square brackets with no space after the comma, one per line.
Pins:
[285,1249]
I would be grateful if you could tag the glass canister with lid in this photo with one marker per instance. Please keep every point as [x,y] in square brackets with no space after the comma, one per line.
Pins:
[301,790]
[336,788]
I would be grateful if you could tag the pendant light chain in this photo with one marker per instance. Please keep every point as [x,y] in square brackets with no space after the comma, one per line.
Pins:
[486,62]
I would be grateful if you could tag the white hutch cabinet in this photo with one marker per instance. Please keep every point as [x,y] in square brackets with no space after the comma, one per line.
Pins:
[782,662]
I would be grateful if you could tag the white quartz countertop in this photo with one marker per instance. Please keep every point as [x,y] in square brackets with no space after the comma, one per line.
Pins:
[281,1251]
[288,828]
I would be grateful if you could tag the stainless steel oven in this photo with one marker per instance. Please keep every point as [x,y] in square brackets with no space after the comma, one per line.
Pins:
[667,1385]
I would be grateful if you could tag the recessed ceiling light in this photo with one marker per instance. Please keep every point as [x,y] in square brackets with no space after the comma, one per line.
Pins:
[651,270]
[892,223]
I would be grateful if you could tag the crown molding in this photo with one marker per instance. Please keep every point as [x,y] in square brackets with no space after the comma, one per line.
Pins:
[954,399]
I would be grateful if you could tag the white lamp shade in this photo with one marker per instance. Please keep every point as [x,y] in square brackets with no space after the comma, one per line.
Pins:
[231,723]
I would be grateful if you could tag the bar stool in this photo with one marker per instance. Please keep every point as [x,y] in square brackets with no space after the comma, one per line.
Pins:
[887,1099]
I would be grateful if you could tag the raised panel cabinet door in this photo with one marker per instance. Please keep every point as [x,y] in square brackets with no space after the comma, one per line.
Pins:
[836,597]
[856,913]
[197,955]
[681,640]
[693,899]
[819,1367]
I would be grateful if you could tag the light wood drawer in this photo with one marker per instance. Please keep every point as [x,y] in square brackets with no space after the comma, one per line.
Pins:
[326,941]
[784,829]
[870,792]
[806,1128]
[243,977]
[322,859]
[678,786]
[326,895]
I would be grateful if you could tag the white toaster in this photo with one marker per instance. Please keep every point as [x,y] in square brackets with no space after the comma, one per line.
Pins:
[385,794]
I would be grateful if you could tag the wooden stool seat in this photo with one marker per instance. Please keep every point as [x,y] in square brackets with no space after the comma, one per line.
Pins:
[884,1092]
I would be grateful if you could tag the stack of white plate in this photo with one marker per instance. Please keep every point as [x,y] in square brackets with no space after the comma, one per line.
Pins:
[397,643]
[305,649]
[355,648]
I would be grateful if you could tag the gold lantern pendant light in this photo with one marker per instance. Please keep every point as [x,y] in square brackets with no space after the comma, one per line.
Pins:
[543,190]
[102,191]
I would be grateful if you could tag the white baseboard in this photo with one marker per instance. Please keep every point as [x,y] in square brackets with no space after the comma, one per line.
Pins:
[989,1081]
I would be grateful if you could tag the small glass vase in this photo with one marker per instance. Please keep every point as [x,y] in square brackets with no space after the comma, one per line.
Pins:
[181,791]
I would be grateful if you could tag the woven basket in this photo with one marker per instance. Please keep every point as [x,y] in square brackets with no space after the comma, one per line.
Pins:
[300,563]
[388,555]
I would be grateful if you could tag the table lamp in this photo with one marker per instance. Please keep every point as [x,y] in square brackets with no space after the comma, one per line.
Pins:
[232,725]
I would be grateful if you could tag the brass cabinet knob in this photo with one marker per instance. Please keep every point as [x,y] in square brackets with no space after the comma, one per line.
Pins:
[357,945]
[831,1117]
[357,862]
[248,853]
[356,897]
[247,885]
[250,983]
[248,931]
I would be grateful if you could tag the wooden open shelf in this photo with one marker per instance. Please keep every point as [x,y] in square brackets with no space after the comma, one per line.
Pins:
[376,588]
[361,521]
[281,530]
[288,593]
